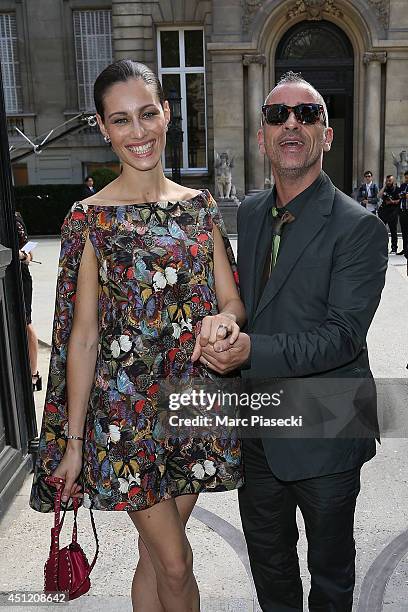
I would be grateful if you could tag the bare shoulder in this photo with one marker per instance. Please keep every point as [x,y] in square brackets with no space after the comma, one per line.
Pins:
[94,199]
[186,194]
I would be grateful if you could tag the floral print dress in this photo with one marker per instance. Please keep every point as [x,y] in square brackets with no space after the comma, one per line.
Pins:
[156,283]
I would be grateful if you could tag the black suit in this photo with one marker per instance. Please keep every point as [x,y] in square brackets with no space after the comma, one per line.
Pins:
[87,192]
[311,321]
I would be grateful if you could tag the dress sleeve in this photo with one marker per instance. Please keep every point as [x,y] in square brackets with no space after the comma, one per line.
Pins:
[217,219]
[55,417]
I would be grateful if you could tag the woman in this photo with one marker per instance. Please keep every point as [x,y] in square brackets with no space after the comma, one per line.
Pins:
[145,260]
[27,281]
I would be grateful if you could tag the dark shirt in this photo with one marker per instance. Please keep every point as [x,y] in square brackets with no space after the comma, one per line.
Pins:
[403,197]
[391,193]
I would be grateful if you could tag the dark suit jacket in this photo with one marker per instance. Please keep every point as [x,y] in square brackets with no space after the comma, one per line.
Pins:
[86,192]
[313,316]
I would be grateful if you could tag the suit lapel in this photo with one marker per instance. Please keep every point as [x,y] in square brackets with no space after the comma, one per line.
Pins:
[252,253]
[314,216]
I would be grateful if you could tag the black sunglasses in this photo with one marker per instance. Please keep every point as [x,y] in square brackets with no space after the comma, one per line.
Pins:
[277,114]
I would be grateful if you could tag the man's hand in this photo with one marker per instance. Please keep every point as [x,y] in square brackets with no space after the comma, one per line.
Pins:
[222,357]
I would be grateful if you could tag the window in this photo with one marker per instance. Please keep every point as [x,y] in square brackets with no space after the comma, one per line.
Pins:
[10,65]
[93,51]
[182,69]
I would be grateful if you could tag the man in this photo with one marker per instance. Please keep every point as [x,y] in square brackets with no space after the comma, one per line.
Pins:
[309,317]
[388,210]
[88,188]
[368,193]
[403,215]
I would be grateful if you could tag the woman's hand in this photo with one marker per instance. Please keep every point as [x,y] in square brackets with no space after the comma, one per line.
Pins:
[213,328]
[69,470]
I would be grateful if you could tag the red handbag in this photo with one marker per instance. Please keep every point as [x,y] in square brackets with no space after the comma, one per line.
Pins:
[67,569]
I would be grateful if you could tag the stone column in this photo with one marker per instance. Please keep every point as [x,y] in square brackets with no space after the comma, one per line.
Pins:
[255,98]
[372,126]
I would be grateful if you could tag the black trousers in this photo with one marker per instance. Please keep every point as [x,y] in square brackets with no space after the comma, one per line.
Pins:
[268,513]
[403,217]
[389,216]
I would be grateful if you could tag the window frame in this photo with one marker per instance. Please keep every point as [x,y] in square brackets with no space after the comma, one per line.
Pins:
[76,39]
[16,64]
[183,70]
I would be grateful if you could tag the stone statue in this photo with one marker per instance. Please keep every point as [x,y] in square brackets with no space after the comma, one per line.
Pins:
[223,175]
[401,165]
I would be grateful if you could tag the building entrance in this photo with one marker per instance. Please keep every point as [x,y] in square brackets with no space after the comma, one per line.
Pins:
[322,52]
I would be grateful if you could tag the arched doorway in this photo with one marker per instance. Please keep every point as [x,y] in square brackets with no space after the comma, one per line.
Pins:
[322,52]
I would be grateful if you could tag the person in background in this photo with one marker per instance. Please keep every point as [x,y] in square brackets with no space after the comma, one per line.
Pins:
[27,281]
[403,215]
[367,193]
[88,188]
[388,210]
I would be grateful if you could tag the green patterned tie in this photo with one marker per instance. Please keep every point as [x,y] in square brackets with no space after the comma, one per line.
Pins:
[279,221]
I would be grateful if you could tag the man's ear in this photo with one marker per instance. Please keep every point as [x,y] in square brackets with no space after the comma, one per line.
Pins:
[261,141]
[328,139]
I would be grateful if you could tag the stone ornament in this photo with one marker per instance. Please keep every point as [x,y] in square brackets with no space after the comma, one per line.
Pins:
[375,56]
[313,10]
[254,59]
[382,9]
[249,7]
[223,176]
[400,164]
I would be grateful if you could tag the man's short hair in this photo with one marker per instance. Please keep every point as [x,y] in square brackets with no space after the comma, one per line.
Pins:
[88,177]
[296,77]
[406,173]
[368,172]
[389,176]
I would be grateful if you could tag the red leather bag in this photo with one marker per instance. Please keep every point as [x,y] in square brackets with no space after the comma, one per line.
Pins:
[67,569]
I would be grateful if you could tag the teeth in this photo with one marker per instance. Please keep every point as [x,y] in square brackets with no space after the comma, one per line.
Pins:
[142,149]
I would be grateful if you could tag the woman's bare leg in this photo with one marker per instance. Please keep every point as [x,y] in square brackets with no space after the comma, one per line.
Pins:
[150,594]
[32,348]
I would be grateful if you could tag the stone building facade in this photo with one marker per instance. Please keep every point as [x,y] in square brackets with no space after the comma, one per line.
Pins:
[354,51]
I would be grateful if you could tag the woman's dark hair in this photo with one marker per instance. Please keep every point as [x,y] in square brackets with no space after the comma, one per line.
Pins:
[122,71]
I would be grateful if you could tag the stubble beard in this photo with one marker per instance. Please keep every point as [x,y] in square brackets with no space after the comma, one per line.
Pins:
[279,169]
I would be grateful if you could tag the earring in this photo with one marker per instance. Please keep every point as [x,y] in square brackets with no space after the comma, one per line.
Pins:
[107,139]
[167,127]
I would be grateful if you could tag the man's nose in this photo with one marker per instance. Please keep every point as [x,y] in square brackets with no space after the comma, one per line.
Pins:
[291,122]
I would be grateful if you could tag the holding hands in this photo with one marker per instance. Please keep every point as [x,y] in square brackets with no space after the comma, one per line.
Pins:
[220,345]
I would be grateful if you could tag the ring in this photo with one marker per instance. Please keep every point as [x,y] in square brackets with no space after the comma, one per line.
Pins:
[207,364]
[223,326]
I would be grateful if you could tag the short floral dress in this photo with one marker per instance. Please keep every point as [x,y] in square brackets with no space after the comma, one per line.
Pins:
[156,283]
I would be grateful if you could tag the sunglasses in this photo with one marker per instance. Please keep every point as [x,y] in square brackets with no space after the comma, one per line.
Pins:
[277,114]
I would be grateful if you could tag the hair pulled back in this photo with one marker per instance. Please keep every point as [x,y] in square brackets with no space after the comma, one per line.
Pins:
[120,72]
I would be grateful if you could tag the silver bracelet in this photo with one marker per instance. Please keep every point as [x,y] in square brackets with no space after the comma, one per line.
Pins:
[74,438]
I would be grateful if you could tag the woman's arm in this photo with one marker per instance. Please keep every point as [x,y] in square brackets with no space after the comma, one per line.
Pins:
[81,360]
[231,315]
[229,302]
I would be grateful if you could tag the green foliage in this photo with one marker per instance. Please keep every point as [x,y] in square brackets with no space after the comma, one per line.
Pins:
[102,177]
[43,207]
